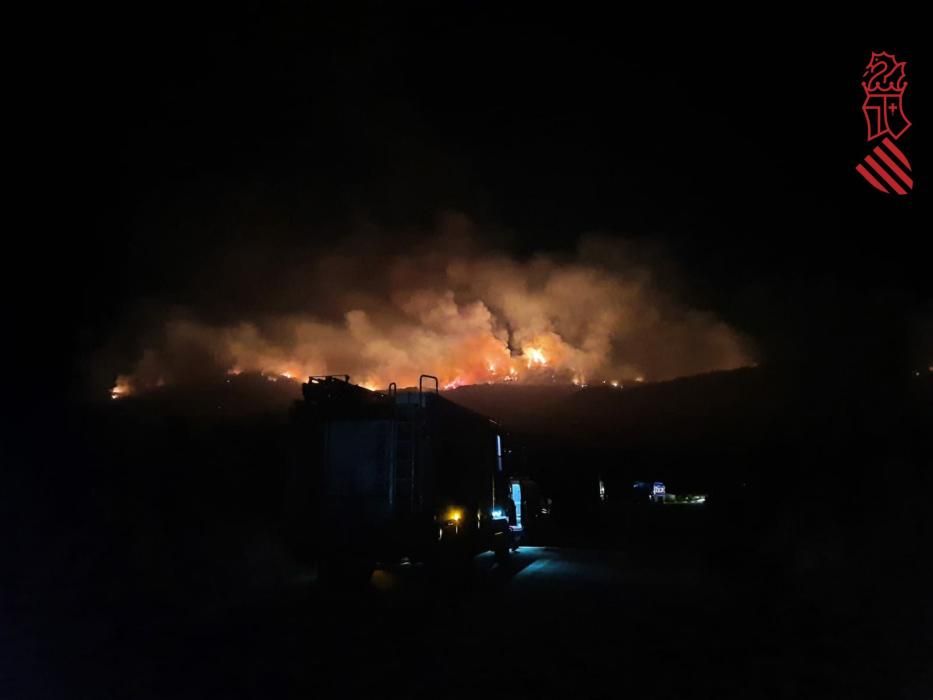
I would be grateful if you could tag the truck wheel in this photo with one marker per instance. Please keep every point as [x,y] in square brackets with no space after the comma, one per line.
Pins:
[456,559]
[502,553]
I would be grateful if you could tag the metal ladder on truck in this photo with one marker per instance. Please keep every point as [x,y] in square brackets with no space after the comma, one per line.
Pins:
[406,494]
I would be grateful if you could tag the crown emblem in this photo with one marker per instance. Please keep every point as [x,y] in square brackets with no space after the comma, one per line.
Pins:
[884,75]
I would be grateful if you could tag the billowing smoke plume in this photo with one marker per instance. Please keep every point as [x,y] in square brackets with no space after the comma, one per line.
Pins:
[386,311]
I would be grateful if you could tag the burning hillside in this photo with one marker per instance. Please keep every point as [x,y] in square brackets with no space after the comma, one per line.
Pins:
[447,309]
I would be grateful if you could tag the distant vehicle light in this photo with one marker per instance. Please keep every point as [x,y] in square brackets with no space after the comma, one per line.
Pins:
[453,515]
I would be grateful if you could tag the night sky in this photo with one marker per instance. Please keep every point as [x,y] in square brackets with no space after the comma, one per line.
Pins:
[732,159]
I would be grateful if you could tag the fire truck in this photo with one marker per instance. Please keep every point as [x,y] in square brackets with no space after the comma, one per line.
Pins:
[389,476]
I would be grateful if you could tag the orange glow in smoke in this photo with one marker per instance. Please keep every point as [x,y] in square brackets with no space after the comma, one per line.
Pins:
[122,388]
[454,312]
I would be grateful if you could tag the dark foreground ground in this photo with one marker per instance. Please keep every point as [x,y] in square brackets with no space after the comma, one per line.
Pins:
[659,618]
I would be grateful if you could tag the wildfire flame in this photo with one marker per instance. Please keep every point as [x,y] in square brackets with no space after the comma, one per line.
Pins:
[122,388]
[465,317]
[530,364]
[535,357]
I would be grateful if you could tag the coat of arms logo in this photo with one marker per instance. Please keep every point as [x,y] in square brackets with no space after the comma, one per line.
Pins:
[884,81]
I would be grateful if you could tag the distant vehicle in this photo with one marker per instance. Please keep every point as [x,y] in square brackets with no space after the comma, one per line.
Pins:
[399,475]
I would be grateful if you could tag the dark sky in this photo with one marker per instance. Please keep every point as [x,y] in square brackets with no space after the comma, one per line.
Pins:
[183,136]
